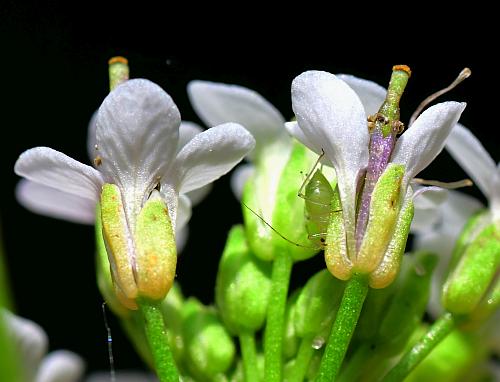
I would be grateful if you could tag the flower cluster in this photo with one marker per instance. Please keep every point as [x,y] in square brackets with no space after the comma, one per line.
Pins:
[338,178]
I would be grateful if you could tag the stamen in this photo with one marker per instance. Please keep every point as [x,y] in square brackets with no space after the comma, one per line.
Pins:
[447,185]
[465,73]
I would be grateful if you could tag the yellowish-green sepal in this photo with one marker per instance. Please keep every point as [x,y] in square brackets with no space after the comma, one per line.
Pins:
[119,245]
[156,254]
[388,268]
[384,211]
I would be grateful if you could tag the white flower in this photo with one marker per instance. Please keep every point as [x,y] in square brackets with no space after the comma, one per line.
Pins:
[446,221]
[217,103]
[137,140]
[332,117]
[31,343]
[49,201]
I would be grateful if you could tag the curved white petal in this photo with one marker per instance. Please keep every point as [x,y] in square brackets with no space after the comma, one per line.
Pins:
[48,201]
[183,212]
[122,376]
[91,138]
[240,177]
[470,154]
[181,236]
[29,338]
[332,118]
[61,366]
[196,196]
[208,156]
[217,103]
[187,131]
[424,140]
[54,169]
[295,131]
[137,135]
[427,213]
[371,94]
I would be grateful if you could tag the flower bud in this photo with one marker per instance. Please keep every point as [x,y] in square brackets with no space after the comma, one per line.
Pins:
[317,304]
[171,308]
[243,285]
[275,200]
[391,315]
[208,346]
[473,282]
[142,262]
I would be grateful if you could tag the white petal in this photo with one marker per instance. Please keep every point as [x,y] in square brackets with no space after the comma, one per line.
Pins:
[48,201]
[137,135]
[91,138]
[208,156]
[217,103]
[196,196]
[427,202]
[371,94]
[424,140]
[123,376]
[240,177]
[57,170]
[295,131]
[61,366]
[187,131]
[332,118]
[183,212]
[470,154]
[30,339]
[181,237]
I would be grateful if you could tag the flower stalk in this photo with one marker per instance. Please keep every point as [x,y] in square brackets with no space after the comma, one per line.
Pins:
[343,328]
[156,334]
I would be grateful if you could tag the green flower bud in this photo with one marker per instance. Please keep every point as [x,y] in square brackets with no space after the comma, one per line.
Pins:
[473,282]
[451,360]
[142,262]
[317,304]
[275,199]
[243,285]
[209,348]
[409,301]
[391,315]
[171,308]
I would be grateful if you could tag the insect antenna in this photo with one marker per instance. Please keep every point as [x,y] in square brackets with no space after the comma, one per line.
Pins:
[112,376]
[309,176]
[276,231]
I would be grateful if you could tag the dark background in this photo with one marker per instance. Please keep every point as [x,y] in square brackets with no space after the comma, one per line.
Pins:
[54,76]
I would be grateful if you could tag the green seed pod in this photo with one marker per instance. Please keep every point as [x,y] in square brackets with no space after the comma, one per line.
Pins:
[243,285]
[317,304]
[209,348]
[275,199]
[473,279]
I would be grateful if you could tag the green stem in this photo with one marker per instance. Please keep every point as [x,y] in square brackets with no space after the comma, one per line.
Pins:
[275,325]
[354,366]
[436,333]
[343,328]
[156,335]
[302,361]
[249,355]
